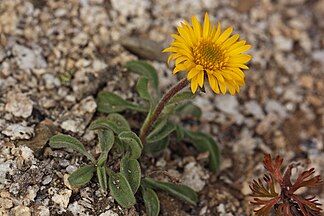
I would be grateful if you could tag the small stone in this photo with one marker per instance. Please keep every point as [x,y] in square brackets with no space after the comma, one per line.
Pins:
[47,179]
[18,131]
[21,211]
[109,213]
[19,105]
[194,176]
[26,153]
[283,43]
[77,209]
[5,203]
[306,81]
[41,211]
[253,107]
[245,190]
[62,198]
[273,106]
[27,58]
[66,181]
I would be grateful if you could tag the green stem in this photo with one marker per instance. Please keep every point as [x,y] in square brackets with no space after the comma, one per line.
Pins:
[151,118]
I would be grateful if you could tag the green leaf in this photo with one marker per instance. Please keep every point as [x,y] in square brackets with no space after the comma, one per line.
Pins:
[181,192]
[104,123]
[111,103]
[161,132]
[181,97]
[81,176]
[180,133]
[131,169]
[147,70]
[156,147]
[121,190]
[120,121]
[133,143]
[142,88]
[204,142]
[151,201]
[60,140]
[106,141]
[188,109]
[102,177]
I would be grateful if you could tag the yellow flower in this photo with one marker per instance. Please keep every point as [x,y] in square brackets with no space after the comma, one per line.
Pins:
[206,50]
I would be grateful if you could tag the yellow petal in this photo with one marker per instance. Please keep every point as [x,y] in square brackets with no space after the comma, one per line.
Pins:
[206,26]
[192,73]
[194,84]
[240,49]
[196,27]
[200,78]
[230,41]
[224,35]
[213,83]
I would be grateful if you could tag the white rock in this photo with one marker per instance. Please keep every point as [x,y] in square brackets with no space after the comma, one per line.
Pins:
[42,211]
[51,81]
[19,105]
[318,55]
[246,144]
[62,199]
[130,7]
[21,211]
[5,203]
[27,58]
[194,176]
[77,209]
[109,213]
[18,131]
[229,105]
[74,126]
[80,39]
[283,43]
[253,107]
[273,106]
[26,153]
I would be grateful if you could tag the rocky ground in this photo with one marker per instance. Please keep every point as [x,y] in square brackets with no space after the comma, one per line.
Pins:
[56,55]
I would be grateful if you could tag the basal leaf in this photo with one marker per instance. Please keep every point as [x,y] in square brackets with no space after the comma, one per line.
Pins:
[142,88]
[181,192]
[161,133]
[147,70]
[106,141]
[131,169]
[109,102]
[188,109]
[156,147]
[121,190]
[120,121]
[132,142]
[181,97]
[102,177]
[151,201]
[81,176]
[60,140]
[204,142]
[180,133]
[105,123]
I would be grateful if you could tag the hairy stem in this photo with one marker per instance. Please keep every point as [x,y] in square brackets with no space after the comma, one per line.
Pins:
[150,119]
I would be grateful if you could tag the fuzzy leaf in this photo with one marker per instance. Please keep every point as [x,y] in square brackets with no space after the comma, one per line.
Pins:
[132,142]
[109,102]
[181,97]
[121,190]
[180,133]
[81,176]
[156,147]
[160,132]
[188,109]
[102,177]
[181,192]
[60,140]
[147,70]
[142,88]
[131,169]
[106,141]
[105,123]
[120,121]
[204,142]
[151,201]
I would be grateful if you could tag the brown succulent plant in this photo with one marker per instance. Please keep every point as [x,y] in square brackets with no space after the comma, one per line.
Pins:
[286,202]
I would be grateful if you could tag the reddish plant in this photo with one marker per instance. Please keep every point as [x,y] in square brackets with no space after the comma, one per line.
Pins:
[286,202]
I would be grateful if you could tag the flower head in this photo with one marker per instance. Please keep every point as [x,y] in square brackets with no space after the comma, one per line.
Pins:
[206,50]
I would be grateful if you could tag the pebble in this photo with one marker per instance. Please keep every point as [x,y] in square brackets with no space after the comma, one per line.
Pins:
[27,58]
[42,211]
[5,203]
[109,213]
[18,131]
[253,107]
[273,106]
[19,105]
[22,211]
[62,198]
[194,176]
[283,43]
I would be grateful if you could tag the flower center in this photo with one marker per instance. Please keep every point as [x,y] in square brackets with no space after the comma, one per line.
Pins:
[209,55]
